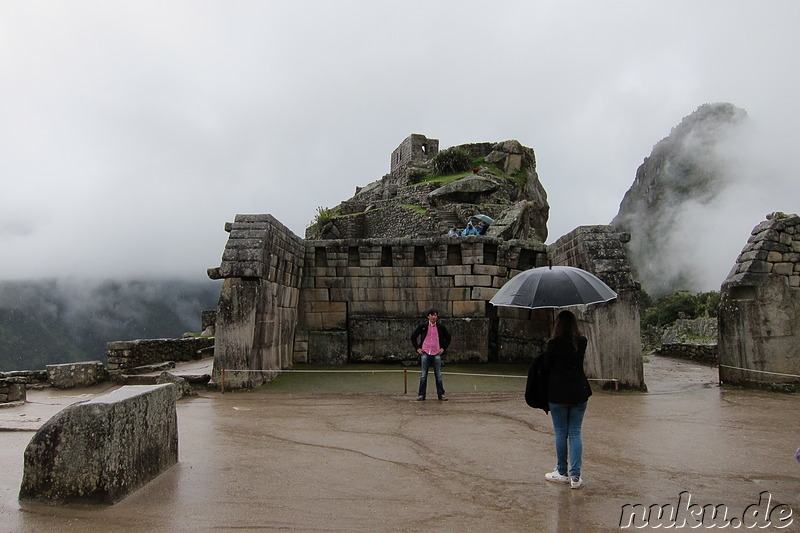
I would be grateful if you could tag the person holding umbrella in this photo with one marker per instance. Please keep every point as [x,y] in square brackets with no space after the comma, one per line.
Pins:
[568,394]
[568,388]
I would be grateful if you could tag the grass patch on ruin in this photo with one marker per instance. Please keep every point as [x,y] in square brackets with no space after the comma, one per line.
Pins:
[416,208]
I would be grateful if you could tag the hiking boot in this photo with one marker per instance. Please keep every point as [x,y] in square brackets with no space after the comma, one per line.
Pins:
[420,398]
[555,476]
[442,398]
[575,483]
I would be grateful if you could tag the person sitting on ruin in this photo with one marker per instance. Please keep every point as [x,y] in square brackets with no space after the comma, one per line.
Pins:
[481,229]
[469,230]
[453,232]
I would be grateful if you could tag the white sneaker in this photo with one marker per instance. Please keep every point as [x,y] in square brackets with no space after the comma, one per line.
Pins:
[555,476]
[575,483]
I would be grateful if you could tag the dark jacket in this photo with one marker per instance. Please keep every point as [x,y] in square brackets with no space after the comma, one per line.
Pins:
[421,332]
[566,380]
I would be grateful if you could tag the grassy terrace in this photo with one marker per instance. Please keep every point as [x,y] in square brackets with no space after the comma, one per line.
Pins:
[389,379]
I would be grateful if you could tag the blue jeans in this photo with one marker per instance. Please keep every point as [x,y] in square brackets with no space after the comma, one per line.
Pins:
[425,360]
[567,422]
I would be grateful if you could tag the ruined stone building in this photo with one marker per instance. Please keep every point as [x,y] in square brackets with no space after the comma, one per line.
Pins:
[759,313]
[353,290]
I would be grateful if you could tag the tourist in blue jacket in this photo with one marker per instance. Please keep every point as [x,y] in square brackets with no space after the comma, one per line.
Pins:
[568,393]
[469,230]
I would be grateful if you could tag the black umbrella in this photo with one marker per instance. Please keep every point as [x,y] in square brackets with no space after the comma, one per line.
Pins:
[552,286]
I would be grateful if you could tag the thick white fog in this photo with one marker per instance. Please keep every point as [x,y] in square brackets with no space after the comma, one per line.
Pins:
[131,132]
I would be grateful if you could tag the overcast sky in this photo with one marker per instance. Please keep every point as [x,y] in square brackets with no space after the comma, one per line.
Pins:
[130,132]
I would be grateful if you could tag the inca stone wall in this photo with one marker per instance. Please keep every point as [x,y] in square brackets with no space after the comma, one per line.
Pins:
[262,268]
[12,390]
[615,347]
[286,300]
[759,314]
[71,375]
[362,298]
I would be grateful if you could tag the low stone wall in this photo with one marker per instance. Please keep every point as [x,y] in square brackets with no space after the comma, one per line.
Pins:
[124,355]
[101,450]
[704,353]
[12,390]
[30,377]
[71,375]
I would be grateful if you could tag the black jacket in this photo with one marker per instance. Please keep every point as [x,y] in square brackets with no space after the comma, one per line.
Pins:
[418,337]
[567,382]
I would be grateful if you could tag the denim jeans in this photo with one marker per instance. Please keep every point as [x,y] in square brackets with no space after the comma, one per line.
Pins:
[425,360]
[567,421]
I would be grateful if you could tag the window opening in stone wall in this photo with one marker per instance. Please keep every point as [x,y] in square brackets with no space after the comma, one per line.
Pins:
[453,254]
[320,257]
[352,257]
[743,292]
[489,254]
[424,148]
[527,259]
[386,256]
[419,256]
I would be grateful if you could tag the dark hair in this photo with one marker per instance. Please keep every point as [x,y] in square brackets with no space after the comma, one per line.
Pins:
[566,325]
[432,312]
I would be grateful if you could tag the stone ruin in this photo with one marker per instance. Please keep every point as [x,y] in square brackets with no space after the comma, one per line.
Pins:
[355,291]
[504,186]
[759,313]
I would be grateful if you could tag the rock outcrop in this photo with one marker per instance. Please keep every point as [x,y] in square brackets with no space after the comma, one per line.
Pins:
[503,185]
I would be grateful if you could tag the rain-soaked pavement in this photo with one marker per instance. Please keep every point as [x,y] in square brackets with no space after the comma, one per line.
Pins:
[383,462]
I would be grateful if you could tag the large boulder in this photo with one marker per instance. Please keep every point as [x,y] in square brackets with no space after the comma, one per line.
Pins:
[470,190]
[101,450]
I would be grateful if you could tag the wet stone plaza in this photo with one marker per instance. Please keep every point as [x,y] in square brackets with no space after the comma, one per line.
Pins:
[309,459]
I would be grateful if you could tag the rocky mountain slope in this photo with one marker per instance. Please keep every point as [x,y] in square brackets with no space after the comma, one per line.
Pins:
[691,166]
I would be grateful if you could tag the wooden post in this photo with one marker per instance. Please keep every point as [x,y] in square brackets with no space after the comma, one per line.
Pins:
[222,381]
[405,381]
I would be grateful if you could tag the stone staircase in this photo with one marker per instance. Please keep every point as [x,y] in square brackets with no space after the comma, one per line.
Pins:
[446,219]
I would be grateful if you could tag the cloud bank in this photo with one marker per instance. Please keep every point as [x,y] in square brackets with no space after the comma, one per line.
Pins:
[131,132]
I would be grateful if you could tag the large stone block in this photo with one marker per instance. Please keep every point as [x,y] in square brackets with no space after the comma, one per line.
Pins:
[473,280]
[470,340]
[101,450]
[472,308]
[327,347]
[382,339]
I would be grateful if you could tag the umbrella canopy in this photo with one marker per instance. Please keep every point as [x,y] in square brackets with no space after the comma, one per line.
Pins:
[484,218]
[556,286]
